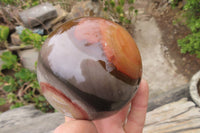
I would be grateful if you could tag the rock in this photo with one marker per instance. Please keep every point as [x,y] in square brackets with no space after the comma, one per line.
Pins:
[85,8]
[28,58]
[165,98]
[156,1]
[15,39]
[181,116]
[161,75]
[15,48]
[194,83]
[56,26]
[37,15]
[61,15]
[180,5]
[60,19]
[27,119]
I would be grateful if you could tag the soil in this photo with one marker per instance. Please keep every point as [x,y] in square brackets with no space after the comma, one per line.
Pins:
[186,64]
[6,106]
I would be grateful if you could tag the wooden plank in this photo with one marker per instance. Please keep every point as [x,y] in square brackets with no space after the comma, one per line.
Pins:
[177,117]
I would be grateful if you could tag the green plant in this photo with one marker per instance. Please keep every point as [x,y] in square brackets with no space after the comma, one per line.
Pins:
[30,38]
[21,88]
[121,10]
[21,3]
[174,3]
[2,101]
[10,61]
[191,43]
[4,32]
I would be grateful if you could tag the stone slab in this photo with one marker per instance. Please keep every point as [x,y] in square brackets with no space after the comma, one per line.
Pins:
[194,88]
[37,15]
[158,70]
[177,117]
[15,39]
[27,119]
[85,8]
[28,58]
[171,96]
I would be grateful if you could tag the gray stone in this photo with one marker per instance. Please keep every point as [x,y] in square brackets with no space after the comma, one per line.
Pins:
[194,88]
[171,96]
[27,119]
[180,4]
[61,15]
[158,70]
[85,8]
[177,117]
[60,19]
[28,58]
[38,14]
[15,39]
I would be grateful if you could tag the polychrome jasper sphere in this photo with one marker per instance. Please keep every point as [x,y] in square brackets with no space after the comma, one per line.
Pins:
[89,68]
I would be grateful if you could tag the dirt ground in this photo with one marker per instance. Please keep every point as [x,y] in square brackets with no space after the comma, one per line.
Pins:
[186,64]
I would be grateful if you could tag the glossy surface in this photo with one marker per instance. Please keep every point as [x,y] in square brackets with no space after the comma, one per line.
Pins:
[89,68]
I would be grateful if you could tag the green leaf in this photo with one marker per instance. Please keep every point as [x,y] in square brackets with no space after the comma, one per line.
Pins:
[16,105]
[11,97]
[28,96]
[121,19]
[119,9]
[2,101]
[7,78]
[131,1]
[136,11]
[121,2]
[24,74]
[41,98]
[106,3]
[4,32]
[127,21]
[131,8]
[10,88]
[112,3]
[1,83]
[10,60]
[44,37]
[105,9]
[10,85]
[24,36]
[30,38]
[35,84]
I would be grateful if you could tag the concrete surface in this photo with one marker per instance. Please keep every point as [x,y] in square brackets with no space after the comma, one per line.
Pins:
[157,70]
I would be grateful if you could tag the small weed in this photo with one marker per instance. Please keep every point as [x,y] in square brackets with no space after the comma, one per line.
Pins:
[191,43]
[4,32]
[122,10]
[29,38]
[23,87]
[21,3]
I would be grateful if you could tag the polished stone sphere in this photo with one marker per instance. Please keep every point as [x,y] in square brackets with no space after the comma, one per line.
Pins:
[89,68]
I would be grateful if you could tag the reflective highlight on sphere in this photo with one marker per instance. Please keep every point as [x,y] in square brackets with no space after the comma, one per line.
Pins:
[89,68]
